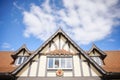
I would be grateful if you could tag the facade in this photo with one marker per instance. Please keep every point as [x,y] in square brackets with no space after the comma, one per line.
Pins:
[62,59]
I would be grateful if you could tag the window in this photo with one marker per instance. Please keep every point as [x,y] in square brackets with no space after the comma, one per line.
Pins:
[20,60]
[59,63]
[97,60]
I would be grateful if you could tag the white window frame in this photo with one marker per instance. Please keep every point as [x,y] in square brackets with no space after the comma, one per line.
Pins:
[22,60]
[60,66]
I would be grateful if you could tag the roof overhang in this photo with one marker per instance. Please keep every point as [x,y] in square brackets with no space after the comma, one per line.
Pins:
[6,76]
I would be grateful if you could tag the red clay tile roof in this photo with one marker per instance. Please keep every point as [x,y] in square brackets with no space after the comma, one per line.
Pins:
[6,61]
[112,61]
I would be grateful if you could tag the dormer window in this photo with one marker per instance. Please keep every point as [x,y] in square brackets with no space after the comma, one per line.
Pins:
[59,63]
[98,60]
[97,55]
[20,60]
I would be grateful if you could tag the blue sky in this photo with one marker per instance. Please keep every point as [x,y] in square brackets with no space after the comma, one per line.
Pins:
[31,22]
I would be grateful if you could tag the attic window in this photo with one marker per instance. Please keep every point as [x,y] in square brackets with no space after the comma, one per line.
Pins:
[59,63]
[20,60]
[97,60]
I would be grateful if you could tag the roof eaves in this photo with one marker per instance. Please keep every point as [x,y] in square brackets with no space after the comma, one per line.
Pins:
[113,75]
[7,76]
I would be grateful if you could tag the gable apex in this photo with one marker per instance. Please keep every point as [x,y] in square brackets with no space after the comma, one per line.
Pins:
[60,31]
[94,47]
[23,47]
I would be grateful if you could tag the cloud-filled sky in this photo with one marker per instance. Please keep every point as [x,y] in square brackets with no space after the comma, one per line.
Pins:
[31,22]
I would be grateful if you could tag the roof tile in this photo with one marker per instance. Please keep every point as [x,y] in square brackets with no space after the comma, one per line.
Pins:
[6,61]
[112,61]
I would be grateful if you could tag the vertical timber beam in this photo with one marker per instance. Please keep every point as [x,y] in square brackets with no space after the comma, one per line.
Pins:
[59,41]
[29,68]
[80,58]
[38,65]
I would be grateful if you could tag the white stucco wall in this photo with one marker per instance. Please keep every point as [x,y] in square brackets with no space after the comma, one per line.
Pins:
[76,67]
[33,69]
[85,69]
[42,66]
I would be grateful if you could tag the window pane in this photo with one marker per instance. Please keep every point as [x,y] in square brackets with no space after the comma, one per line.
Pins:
[50,63]
[94,58]
[24,58]
[62,62]
[68,62]
[56,62]
[19,60]
[97,60]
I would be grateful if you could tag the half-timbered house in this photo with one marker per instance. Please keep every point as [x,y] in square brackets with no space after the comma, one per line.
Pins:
[59,58]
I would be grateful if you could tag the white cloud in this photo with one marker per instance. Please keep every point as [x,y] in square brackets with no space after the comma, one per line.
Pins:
[84,20]
[5,45]
[19,7]
[111,40]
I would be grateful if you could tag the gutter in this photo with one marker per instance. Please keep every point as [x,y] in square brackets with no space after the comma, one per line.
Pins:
[7,76]
[112,75]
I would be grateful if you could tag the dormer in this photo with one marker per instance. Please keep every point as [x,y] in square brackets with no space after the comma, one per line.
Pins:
[97,55]
[20,55]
